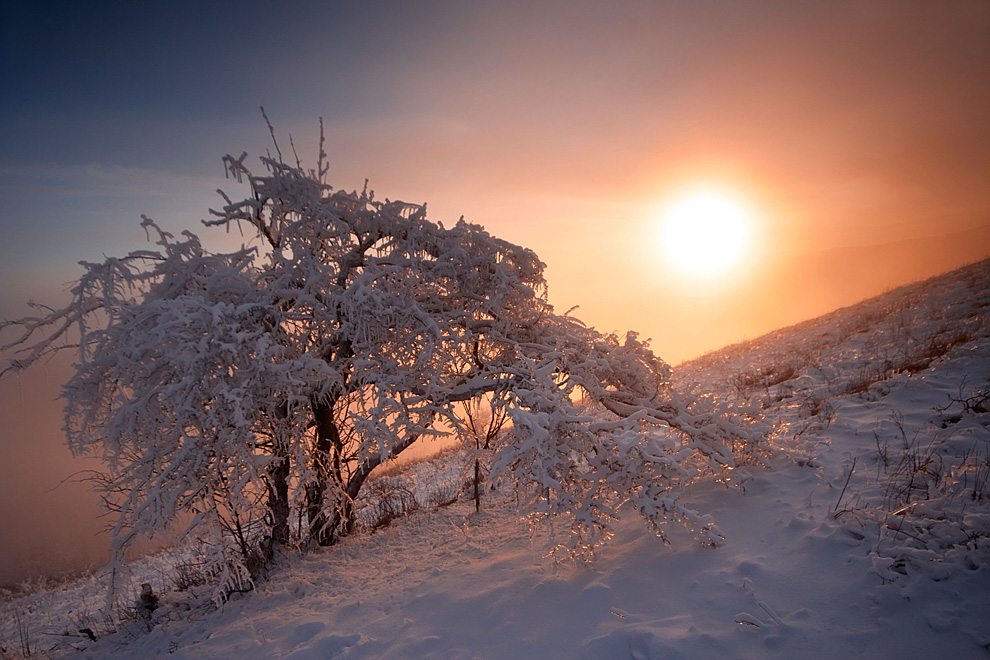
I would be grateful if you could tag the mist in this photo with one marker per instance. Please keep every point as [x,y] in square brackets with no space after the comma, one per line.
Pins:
[50,516]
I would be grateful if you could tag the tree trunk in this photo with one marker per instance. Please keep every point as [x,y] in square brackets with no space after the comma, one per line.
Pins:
[318,521]
[277,482]
[477,488]
[322,528]
[278,499]
[325,528]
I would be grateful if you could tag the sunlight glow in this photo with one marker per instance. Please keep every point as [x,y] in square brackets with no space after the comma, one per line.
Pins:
[704,233]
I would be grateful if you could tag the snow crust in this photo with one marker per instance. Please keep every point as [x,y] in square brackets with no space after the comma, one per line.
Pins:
[857,529]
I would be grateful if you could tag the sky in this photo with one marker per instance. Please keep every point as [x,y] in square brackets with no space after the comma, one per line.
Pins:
[854,132]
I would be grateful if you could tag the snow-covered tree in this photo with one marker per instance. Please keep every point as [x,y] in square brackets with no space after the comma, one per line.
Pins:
[234,393]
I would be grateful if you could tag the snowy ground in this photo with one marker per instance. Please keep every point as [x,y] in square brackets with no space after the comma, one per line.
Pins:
[861,529]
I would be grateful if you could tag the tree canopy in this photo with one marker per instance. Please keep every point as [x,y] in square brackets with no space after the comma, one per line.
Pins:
[235,392]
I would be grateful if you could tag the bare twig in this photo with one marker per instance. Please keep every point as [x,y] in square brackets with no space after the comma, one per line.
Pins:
[852,469]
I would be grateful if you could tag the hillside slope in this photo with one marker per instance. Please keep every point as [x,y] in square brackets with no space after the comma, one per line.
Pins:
[859,528]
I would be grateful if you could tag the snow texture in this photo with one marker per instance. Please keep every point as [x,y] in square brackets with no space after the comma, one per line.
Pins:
[858,528]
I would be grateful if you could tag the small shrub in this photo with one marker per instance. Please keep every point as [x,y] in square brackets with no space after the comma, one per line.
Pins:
[189,574]
[942,341]
[389,498]
[443,494]
[882,451]
[819,404]
[976,402]
[916,476]
[861,381]
[761,380]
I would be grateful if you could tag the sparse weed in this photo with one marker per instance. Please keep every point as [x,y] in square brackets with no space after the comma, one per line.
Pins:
[917,475]
[863,379]
[926,513]
[761,380]
[443,494]
[819,404]
[882,447]
[23,636]
[189,574]
[388,498]
[941,341]
[975,402]
[828,373]
[84,625]
[981,479]
[972,475]
[23,649]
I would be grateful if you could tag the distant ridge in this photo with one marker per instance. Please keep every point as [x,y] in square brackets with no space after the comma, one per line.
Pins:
[975,276]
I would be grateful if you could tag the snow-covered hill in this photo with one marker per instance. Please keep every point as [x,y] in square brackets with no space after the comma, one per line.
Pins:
[859,528]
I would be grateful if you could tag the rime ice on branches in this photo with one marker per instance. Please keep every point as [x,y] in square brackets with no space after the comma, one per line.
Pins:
[246,396]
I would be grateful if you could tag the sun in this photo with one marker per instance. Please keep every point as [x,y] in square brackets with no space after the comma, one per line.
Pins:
[704,233]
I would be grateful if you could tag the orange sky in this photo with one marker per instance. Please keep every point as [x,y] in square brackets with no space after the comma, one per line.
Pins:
[556,125]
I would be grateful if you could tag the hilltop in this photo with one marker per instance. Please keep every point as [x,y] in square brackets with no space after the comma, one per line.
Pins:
[859,527]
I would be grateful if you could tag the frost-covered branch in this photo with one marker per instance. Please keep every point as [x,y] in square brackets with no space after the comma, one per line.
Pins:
[239,391]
